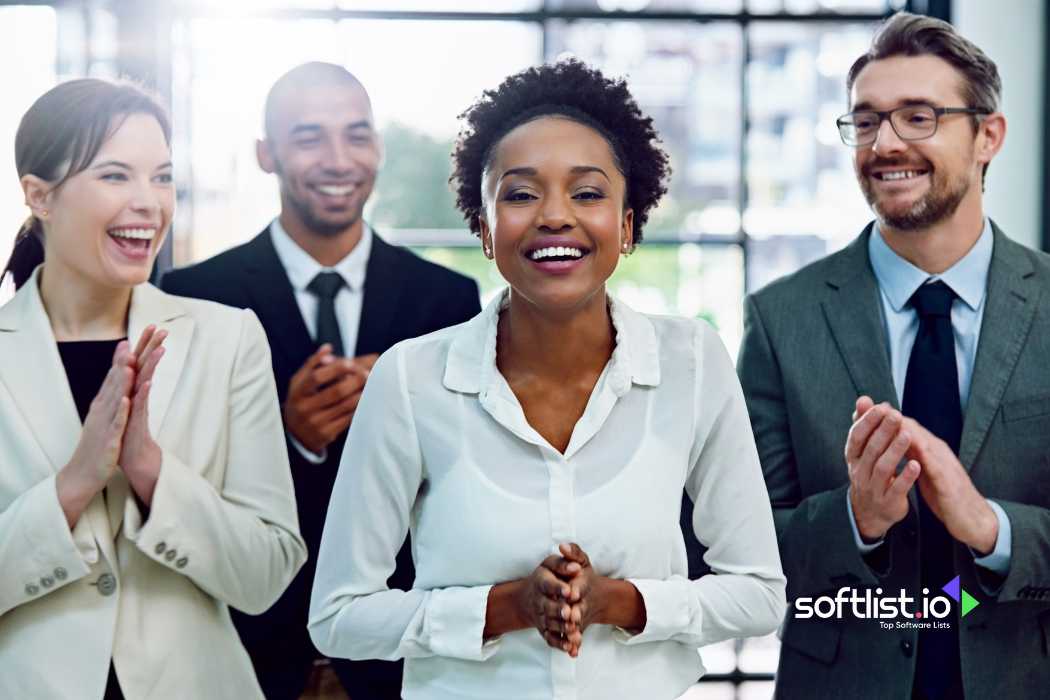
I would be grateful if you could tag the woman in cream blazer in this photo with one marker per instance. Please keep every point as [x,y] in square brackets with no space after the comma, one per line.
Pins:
[135,581]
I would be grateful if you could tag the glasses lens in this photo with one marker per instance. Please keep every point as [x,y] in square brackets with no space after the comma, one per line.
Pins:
[858,127]
[916,122]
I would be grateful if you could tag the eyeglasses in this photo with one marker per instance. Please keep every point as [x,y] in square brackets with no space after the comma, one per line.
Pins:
[910,123]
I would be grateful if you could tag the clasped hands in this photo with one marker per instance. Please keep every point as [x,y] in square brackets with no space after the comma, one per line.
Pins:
[879,440]
[564,595]
[116,430]
[323,396]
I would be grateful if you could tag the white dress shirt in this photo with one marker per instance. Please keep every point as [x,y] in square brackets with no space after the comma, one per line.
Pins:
[444,450]
[301,269]
[898,280]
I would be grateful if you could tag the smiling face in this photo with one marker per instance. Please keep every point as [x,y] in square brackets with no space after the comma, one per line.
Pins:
[106,223]
[912,185]
[554,217]
[323,147]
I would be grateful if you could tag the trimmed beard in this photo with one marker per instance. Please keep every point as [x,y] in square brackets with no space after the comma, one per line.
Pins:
[938,204]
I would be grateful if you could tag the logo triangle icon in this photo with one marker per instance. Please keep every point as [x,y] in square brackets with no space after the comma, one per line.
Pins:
[968,603]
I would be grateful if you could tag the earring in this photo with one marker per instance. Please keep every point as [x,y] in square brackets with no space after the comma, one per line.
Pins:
[488,252]
[44,212]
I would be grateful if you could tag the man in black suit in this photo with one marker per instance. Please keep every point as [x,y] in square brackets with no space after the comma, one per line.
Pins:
[331,295]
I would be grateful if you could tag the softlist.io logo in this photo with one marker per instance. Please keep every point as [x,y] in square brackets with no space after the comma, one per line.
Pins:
[906,610]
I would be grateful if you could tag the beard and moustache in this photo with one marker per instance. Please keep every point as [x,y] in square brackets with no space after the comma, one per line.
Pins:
[310,217]
[940,201]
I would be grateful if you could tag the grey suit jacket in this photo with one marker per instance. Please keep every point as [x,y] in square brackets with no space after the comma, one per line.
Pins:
[813,342]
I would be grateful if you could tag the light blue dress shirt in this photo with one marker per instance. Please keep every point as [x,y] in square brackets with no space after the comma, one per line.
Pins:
[898,280]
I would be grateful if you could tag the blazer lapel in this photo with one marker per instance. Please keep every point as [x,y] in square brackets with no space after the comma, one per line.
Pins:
[853,314]
[1013,295]
[149,305]
[382,289]
[273,301]
[32,370]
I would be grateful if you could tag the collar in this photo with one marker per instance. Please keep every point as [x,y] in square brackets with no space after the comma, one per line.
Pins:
[302,268]
[899,279]
[471,363]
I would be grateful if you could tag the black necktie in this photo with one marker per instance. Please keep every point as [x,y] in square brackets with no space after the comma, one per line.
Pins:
[325,286]
[931,397]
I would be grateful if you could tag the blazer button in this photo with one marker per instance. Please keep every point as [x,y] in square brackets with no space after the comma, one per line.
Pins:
[32,589]
[47,582]
[107,584]
[182,562]
[159,549]
[170,554]
[906,648]
[60,574]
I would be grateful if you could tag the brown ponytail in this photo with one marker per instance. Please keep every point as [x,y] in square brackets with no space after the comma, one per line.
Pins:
[59,137]
[27,254]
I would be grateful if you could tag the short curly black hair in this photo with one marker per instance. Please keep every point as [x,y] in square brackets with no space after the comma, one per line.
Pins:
[573,90]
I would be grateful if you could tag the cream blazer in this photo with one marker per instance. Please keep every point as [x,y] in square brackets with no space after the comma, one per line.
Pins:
[151,592]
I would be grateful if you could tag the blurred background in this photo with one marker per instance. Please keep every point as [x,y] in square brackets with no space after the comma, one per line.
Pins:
[744,93]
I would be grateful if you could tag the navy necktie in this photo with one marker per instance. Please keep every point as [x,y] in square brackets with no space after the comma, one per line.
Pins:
[931,397]
[325,286]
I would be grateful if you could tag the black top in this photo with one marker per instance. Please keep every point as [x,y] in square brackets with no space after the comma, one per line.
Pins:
[87,362]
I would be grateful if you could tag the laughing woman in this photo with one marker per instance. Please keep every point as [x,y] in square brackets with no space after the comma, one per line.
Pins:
[538,452]
[144,486]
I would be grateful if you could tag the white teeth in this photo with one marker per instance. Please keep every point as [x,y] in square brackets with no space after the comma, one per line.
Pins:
[335,190]
[900,175]
[139,234]
[555,252]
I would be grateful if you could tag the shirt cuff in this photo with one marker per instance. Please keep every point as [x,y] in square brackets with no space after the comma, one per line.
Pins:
[863,546]
[998,561]
[310,456]
[455,624]
[668,611]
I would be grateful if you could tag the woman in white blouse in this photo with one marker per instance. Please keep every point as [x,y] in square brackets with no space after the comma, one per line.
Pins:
[538,452]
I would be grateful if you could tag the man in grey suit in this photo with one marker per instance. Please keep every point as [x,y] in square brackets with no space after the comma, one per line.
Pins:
[916,357]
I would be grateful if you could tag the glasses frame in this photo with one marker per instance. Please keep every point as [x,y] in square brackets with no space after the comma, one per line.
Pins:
[938,112]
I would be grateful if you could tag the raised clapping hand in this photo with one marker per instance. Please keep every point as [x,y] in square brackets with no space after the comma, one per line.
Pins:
[323,396]
[116,431]
[875,446]
[943,481]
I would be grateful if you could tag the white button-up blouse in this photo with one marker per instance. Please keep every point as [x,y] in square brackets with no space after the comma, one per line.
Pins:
[440,447]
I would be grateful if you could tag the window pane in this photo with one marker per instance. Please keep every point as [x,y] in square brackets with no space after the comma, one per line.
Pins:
[687,78]
[801,7]
[800,176]
[760,654]
[224,68]
[713,6]
[711,691]
[444,5]
[28,40]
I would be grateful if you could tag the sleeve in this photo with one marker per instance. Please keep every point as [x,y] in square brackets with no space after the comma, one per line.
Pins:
[744,594]
[1027,573]
[311,457]
[862,546]
[240,543]
[352,612]
[998,560]
[817,547]
[39,551]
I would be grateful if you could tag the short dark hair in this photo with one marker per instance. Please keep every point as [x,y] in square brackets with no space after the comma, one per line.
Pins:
[305,75]
[572,90]
[907,34]
[60,135]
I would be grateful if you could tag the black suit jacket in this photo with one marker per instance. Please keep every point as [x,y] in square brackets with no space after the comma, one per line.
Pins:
[404,297]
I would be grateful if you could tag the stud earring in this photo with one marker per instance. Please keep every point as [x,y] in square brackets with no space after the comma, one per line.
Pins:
[44,212]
